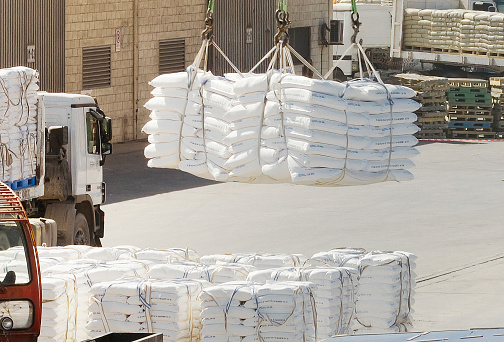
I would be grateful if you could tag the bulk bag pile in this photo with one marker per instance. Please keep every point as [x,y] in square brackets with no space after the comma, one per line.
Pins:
[338,257]
[87,272]
[259,261]
[248,312]
[147,305]
[59,306]
[215,274]
[274,127]
[169,255]
[18,123]
[334,294]
[385,293]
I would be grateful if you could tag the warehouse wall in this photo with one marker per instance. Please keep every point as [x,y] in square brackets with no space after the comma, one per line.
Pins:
[313,13]
[158,21]
[94,23]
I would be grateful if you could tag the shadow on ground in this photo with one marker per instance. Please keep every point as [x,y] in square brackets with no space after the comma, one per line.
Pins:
[128,177]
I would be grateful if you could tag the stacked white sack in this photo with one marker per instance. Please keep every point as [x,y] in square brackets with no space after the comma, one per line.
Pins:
[334,294]
[385,292]
[351,133]
[88,272]
[59,308]
[259,261]
[248,312]
[70,252]
[215,274]
[169,255]
[310,132]
[147,305]
[174,103]
[18,123]
[338,257]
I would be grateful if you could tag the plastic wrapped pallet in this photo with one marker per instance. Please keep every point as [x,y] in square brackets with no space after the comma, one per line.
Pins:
[215,274]
[385,292]
[248,312]
[18,123]
[88,272]
[259,261]
[71,252]
[335,294]
[59,307]
[147,305]
[282,128]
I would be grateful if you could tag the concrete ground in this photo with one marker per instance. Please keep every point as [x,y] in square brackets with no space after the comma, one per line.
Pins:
[451,216]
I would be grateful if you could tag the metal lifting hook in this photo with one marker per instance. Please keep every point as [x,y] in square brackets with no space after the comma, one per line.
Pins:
[355,25]
[282,25]
[207,33]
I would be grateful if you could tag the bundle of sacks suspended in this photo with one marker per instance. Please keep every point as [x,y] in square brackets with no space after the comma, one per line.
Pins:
[183,296]
[274,127]
[18,123]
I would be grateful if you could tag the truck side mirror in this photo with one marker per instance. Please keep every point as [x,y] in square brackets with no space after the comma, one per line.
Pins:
[106,148]
[106,129]
[57,136]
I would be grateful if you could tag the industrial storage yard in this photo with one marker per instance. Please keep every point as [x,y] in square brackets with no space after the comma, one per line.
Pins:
[450,216]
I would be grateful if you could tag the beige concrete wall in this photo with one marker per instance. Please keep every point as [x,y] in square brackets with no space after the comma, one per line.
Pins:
[313,13]
[94,23]
[181,20]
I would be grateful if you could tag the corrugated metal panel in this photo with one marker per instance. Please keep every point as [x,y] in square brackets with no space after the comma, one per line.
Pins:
[40,23]
[232,18]
[96,72]
[171,55]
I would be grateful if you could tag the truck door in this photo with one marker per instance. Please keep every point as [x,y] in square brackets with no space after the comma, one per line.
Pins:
[94,176]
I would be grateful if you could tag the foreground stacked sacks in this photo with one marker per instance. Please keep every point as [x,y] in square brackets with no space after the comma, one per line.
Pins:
[385,287]
[334,294]
[283,128]
[248,312]
[147,305]
[18,123]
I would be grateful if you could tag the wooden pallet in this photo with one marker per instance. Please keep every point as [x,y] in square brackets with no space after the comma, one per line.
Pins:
[437,134]
[472,135]
[467,82]
[470,125]
[470,117]
[497,81]
[468,90]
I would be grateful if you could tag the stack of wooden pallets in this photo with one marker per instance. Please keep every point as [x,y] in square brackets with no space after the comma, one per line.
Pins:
[431,93]
[497,91]
[470,109]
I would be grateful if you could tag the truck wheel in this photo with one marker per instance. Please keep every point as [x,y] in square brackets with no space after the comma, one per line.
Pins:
[81,234]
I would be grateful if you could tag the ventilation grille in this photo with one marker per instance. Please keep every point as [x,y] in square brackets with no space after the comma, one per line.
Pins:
[171,55]
[96,67]
[336,35]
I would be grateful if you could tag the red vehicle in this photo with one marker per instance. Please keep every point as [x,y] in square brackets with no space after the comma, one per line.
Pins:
[20,288]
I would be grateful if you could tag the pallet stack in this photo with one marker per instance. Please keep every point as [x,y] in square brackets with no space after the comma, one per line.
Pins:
[497,91]
[470,109]
[431,93]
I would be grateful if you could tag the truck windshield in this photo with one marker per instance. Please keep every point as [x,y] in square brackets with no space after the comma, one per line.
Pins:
[13,261]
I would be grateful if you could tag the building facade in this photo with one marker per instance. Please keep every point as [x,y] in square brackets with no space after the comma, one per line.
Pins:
[112,49]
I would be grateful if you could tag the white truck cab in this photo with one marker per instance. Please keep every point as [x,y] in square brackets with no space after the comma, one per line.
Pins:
[71,188]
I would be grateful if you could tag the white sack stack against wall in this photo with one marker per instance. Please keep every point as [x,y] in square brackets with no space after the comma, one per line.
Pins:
[334,294]
[248,312]
[281,128]
[141,305]
[18,123]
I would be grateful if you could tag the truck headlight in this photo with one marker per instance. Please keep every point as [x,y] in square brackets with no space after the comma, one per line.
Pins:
[6,323]
[16,314]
